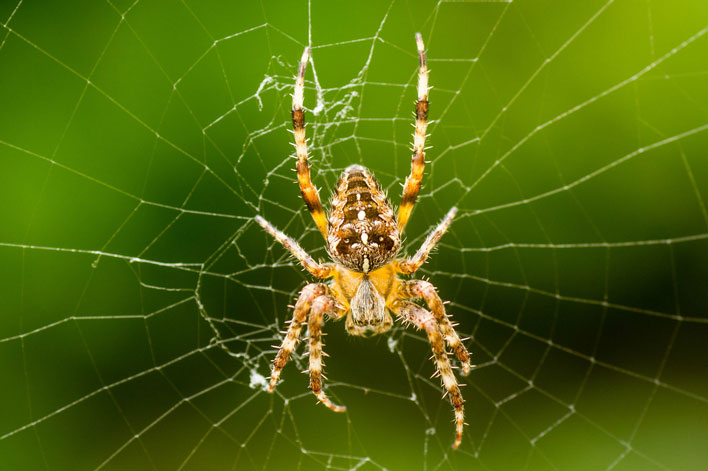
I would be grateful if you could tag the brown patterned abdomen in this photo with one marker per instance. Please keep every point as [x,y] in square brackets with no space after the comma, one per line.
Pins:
[363,232]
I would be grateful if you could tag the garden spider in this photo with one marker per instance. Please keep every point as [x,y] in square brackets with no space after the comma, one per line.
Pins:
[363,237]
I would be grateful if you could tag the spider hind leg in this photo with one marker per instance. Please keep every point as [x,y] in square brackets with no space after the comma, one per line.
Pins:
[412,185]
[307,188]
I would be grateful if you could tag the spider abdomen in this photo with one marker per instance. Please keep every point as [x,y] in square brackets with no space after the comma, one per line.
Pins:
[363,233]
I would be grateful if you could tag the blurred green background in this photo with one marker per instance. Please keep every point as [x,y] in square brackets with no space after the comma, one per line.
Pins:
[139,302]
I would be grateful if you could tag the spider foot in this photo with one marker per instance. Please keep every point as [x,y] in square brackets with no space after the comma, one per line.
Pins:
[459,422]
[322,397]
[273,382]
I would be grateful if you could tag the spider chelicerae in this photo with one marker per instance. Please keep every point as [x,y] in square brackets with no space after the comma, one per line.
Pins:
[363,237]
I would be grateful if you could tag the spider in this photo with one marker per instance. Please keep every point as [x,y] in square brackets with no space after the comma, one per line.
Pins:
[363,237]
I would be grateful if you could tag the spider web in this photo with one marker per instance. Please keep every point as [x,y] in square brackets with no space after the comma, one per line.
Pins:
[140,303]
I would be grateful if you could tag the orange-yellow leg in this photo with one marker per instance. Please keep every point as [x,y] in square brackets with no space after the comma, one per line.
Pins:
[317,299]
[320,306]
[412,264]
[308,190]
[422,319]
[320,270]
[419,289]
[412,185]
[308,294]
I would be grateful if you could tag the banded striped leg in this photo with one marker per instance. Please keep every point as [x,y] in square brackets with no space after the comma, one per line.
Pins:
[420,289]
[412,186]
[308,190]
[318,269]
[422,319]
[321,305]
[414,263]
[308,295]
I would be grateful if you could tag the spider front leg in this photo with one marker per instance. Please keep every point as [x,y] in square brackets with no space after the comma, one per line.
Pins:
[308,294]
[422,319]
[321,305]
[420,289]
[316,299]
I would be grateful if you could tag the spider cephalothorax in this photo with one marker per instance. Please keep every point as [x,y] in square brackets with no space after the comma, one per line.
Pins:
[363,235]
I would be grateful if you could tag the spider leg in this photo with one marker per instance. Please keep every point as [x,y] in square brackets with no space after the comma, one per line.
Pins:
[308,294]
[320,306]
[318,269]
[422,319]
[316,299]
[412,185]
[308,190]
[414,263]
[420,289]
